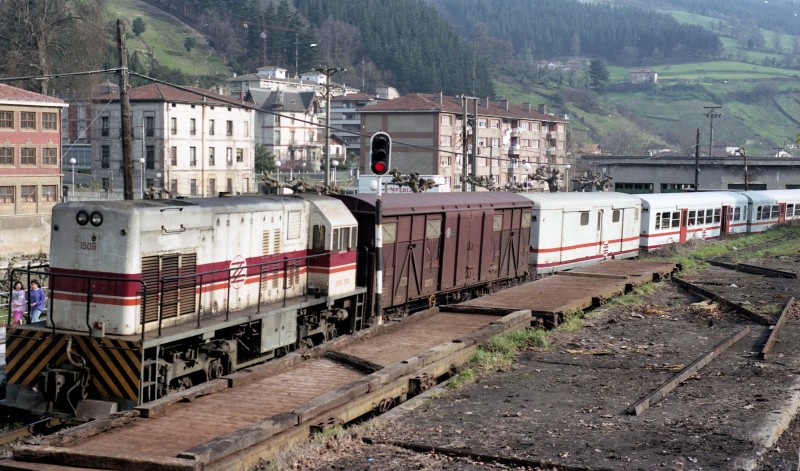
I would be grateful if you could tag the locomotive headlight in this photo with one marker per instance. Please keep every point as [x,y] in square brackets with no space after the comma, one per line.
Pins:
[96,218]
[82,218]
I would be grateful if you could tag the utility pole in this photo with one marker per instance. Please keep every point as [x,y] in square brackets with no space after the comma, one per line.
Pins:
[468,161]
[711,114]
[328,72]
[125,116]
[697,162]
[475,143]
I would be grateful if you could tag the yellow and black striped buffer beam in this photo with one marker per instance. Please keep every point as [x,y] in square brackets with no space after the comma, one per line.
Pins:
[115,365]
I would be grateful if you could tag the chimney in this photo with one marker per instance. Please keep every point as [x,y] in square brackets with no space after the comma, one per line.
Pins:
[542,108]
[526,107]
[504,104]
[485,101]
[441,98]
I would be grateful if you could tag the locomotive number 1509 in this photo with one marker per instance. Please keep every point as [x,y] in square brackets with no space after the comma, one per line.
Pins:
[87,245]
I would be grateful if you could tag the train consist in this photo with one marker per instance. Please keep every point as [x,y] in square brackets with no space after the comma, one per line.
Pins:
[152,296]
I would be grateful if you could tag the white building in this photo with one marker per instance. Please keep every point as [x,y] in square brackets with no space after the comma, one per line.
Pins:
[194,142]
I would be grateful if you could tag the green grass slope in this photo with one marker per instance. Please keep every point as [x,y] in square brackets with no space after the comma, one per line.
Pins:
[163,40]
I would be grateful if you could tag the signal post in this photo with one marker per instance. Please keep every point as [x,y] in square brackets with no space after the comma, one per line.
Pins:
[380,151]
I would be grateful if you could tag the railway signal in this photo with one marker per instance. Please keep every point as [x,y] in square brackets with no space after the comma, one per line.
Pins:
[380,150]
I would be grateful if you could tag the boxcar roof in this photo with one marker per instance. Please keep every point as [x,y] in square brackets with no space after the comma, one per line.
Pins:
[578,200]
[405,203]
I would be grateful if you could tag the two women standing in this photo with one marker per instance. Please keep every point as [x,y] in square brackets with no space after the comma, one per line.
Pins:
[35,302]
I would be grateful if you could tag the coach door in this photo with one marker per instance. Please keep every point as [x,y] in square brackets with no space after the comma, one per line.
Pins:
[601,246]
[469,247]
[725,225]
[782,213]
[684,219]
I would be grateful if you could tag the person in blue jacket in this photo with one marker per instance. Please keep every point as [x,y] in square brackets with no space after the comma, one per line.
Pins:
[36,300]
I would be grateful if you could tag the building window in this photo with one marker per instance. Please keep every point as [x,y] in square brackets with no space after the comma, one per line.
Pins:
[193,156]
[6,195]
[212,186]
[49,193]
[211,156]
[49,156]
[445,161]
[149,126]
[444,141]
[239,155]
[535,144]
[246,183]
[105,157]
[150,157]
[27,156]
[7,119]
[192,126]
[495,142]
[104,126]
[27,120]
[106,184]
[28,193]
[447,120]
[173,125]
[229,128]
[173,155]
[229,186]
[49,121]
[525,125]
[173,186]
[210,127]
[193,187]
[481,123]
[229,155]
[496,123]
[6,156]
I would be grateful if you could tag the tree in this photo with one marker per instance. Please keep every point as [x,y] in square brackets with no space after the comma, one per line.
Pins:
[265,160]
[189,43]
[47,37]
[598,75]
[139,26]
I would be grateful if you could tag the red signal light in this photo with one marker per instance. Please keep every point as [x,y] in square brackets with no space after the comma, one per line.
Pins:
[379,167]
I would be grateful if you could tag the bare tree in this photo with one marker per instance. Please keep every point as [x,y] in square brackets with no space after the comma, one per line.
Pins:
[45,37]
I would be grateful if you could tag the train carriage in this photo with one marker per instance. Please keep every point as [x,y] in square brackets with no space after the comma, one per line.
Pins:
[440,244]
[678,217]
[569,230]
[770,207]
[150,296]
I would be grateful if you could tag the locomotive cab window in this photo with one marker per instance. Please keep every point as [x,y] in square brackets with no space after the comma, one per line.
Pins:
[318,237]
[584,218]
[615,215]
[336,246]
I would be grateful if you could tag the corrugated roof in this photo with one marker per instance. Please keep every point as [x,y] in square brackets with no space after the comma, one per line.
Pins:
[9,93]
[405,203]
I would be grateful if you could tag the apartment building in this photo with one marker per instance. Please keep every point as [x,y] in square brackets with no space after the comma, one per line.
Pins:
[345,117]
[30,169]
[190,141]
[511,140]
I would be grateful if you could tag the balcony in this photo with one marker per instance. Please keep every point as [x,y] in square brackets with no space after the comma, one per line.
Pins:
[513,149]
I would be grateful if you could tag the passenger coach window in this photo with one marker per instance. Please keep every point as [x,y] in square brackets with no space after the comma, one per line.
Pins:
[692,217]
[789,210]
[615,215]
[676,219]
[318,237]
[776,209]
[717,216]
[585,218]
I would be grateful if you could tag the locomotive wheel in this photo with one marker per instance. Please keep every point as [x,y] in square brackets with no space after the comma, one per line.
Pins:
[215,370]
[330,332]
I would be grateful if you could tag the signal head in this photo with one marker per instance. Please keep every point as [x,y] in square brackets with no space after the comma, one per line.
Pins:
[380,153]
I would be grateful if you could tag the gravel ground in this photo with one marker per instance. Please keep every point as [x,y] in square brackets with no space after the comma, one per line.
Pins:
[565,408]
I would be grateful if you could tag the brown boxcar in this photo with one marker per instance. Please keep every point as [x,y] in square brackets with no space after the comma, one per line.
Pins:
[443,243]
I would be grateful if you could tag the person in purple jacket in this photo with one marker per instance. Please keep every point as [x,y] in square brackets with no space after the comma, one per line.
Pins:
[36,300]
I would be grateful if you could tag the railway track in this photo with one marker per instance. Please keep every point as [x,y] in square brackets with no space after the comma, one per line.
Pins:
[233,422]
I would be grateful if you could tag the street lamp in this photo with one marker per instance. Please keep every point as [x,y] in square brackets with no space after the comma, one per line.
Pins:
[72,162]
[335,164]
[141,177]
[328,71]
